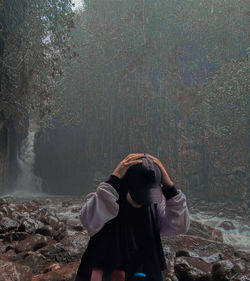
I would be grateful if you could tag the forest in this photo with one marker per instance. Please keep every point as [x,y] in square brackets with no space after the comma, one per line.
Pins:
[169,78]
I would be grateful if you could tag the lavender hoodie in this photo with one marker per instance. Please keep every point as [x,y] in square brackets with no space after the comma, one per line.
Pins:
[172,213]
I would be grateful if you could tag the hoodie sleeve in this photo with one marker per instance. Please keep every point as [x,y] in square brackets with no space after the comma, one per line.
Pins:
[100,206]
[172,212]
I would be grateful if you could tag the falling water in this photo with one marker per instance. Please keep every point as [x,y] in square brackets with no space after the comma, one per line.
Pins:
[27,184]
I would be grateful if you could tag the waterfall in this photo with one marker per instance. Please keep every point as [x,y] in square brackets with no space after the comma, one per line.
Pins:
[27,184]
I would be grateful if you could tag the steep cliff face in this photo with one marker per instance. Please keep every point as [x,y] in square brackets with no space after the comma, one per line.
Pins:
[4,153]
[10,141]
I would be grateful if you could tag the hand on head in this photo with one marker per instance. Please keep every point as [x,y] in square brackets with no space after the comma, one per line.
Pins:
[123,166]
[132,159]
[165,177]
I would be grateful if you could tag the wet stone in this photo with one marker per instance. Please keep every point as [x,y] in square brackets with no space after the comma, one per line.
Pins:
[2,247]
[78,227]
[8,254]
[34,260]
[33,243]
[227,225]
[222,270]
[10,271]
[188,268]
[213,258]
[242,277]
[46,230]
[55,253]
[36,202]
[7,224]
[168,252]
[64,273]
[243,255]
[3,201]
[66,204]
[186,253]
[52,221]
[48,201]
[204,231]
[203,247]
[74,243]
[76,210]
[29,225]
[14,236]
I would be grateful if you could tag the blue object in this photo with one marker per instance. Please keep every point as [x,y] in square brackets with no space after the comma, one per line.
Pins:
[140,275]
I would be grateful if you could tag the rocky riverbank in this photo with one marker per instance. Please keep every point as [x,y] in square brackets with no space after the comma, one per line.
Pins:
[41,239]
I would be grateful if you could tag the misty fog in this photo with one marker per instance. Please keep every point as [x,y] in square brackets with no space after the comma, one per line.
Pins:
[85,83]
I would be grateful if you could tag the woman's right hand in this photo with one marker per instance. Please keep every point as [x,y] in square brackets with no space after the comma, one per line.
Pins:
[123,166]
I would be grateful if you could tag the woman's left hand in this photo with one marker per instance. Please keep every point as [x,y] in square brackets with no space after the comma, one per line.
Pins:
[165,180]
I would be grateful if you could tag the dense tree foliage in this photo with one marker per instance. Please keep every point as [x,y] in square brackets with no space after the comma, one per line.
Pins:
[34,40]
[161,77]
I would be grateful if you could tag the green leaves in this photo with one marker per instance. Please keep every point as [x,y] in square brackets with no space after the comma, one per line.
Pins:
[37,41]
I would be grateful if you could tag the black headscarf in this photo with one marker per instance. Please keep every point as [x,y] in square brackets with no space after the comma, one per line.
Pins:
[131,242]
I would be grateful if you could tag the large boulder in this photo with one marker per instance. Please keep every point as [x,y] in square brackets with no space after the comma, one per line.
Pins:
[29,225]
[34,243]
[192,269]
[74,243]
[64,273]
[53,221]
[55,253]
[204,231]
[10,271]
[201,246]
[14,236]
[35,260]
[223,270]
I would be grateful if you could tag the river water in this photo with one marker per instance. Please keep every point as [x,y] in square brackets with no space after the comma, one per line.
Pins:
[238,237]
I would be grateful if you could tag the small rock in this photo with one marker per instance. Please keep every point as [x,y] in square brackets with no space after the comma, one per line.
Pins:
[167,251]
[66,204]
[52,221]
[186,253]
[29,225]
[3,201]
[2,247]
[243,255]
[227,225]
[36,202]
[46,230]
[242,277]
[222,270]
[78,227]
[76,210]
[244,206]
[7,224]
[48,201]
